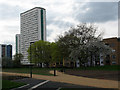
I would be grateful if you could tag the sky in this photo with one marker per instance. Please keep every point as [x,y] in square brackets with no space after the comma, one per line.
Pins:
[60,16]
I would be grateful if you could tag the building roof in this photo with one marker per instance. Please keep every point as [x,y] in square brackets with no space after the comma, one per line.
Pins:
[32,9]
[110,38]
[6,44]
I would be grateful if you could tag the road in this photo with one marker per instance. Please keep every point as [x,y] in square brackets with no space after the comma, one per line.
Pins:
[38,84]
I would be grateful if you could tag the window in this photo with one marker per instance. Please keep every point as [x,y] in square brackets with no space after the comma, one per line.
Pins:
[101,57]
[113,56]
[118,39]
[101,62]
[112,45]
[113,62]
[107,44]
[113,50]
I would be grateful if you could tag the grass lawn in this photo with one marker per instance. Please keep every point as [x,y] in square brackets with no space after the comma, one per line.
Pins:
[106,68]
[39,71]
[7,84]
[45,71]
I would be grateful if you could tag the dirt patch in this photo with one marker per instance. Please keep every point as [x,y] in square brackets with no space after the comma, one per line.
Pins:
[108,75]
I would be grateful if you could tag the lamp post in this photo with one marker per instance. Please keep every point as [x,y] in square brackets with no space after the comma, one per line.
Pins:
[30,60]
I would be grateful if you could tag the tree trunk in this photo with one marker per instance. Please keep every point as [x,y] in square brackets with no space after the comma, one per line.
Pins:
[91,60]
[74,64]
[47,65]
[63,62]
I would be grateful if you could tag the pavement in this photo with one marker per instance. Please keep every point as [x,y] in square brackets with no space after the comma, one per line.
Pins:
[38,84]
[76,80]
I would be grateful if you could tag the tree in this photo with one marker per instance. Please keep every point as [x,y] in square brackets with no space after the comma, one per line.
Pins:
[17,60]
[81,43]
[40,52]
[7,62]
[97,47]
[55,53]
[65,43]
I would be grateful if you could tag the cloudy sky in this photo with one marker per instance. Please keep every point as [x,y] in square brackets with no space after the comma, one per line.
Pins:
[60,15]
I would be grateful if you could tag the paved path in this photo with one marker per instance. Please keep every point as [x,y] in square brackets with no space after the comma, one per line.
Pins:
[38,84]
[99,83]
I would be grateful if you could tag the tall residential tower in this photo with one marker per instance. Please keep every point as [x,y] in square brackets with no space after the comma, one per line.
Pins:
[17,43]
[33,28]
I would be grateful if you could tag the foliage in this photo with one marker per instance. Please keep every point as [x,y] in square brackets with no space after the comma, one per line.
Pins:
[82,43]
[17,60]
[79,43]
[7,62]
[55,52]
[65,43]
[44,52]
[40,52]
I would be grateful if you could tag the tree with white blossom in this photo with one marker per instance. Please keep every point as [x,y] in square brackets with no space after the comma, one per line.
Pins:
[81,43]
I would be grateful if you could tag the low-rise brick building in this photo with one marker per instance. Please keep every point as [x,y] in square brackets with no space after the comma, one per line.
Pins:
[114,57]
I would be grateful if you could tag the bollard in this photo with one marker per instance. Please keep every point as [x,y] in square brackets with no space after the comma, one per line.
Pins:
[30,71]
[54,72]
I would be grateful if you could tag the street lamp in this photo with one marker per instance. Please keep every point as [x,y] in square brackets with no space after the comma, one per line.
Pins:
[31,60]
[54,72]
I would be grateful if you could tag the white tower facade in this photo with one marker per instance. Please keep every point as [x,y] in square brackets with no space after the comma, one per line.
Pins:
[18,40]
[33,28]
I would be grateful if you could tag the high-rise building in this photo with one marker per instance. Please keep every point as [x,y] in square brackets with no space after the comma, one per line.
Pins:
[17,43]
[119,19]
[9,51]
[33,28]
[5,51]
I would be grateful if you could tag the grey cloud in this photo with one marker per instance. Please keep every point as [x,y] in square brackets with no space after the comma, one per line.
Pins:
[8,12]
[98,12]
[12,29]
[9,42]
[59,23]
[51,15]
[49,32]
